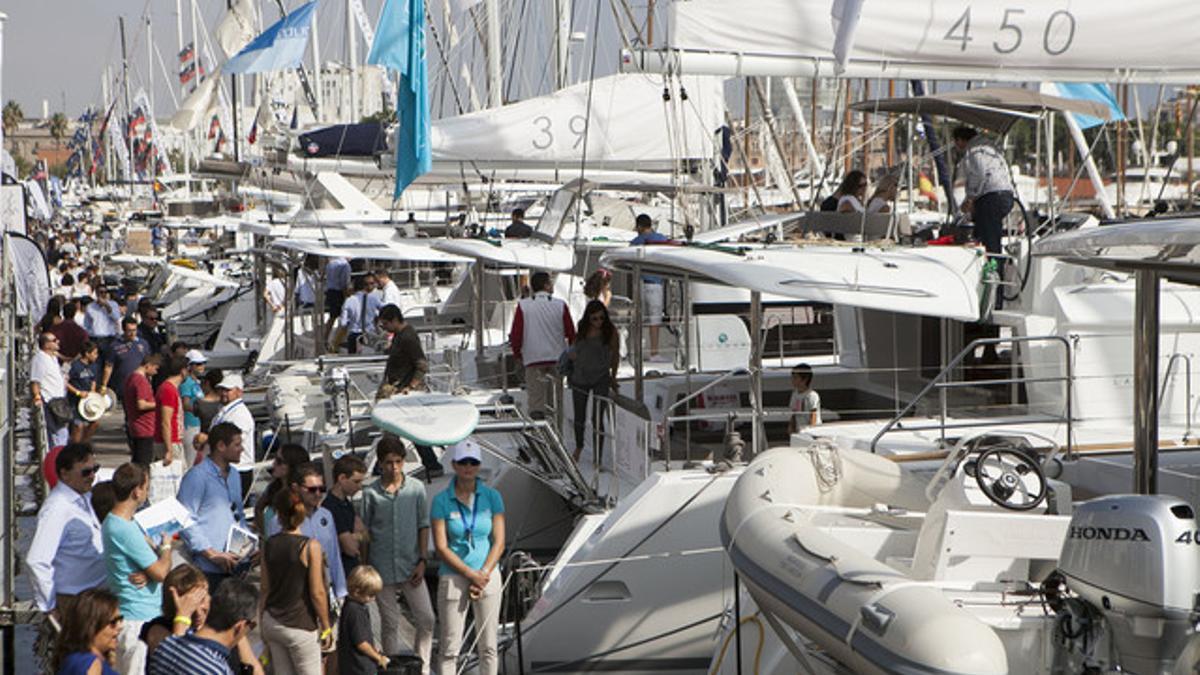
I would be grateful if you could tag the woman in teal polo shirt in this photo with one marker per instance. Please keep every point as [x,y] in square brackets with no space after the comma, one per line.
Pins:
[468,531]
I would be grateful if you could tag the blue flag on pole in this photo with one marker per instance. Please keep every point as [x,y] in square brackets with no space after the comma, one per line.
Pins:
[400,45]
[1099,93]
[280,47]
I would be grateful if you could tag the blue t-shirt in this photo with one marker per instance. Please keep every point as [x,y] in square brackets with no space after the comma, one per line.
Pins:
[81,376]
[190,389]
[125,356]
[468,527]
[650,237]
[125,552]
[80,662]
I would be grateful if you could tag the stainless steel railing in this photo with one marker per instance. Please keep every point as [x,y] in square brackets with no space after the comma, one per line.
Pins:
[943,384]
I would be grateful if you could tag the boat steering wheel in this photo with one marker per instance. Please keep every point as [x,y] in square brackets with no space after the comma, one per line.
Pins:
[1011,479]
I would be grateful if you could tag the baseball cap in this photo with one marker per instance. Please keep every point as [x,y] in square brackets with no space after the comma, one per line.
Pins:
[196,356]
[231,381]
[467,449]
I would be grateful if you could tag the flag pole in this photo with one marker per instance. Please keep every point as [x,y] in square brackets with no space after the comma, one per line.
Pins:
[233,86]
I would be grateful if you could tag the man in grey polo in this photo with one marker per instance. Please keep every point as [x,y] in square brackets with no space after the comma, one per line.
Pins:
[396,517]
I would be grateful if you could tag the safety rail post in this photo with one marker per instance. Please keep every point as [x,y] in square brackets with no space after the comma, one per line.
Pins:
[939,383]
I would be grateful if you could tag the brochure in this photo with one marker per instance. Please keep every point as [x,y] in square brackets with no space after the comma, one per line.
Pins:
[166,517]
[240,542]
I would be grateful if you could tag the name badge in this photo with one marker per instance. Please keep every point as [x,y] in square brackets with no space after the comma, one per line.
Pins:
[454,515]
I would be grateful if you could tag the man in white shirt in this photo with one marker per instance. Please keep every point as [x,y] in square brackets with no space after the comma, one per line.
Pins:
[66,556]
[236,412]
[389,292]
[359,313]
[275,293]
[46,384]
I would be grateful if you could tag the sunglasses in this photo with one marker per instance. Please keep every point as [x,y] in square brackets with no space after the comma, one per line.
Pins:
[116,621]
[314,489]
[468,462]
[89,470]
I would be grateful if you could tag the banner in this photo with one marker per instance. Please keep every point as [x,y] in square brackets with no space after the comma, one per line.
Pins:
[280,47]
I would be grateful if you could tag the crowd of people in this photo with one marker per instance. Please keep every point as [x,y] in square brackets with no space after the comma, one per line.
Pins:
[187,603]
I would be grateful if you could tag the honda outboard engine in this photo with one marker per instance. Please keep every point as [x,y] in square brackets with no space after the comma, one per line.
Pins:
[1136,560]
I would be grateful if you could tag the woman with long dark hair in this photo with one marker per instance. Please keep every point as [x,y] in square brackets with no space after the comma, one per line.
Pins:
[594,360]
[852,190]
[89,635]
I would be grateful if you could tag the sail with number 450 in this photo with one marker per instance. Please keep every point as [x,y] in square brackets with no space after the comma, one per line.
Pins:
[996,40]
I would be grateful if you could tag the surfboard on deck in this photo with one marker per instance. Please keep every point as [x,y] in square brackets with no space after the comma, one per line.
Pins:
[427,419]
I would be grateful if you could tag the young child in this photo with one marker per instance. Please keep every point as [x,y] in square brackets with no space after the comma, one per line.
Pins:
[806,403]
[356,650]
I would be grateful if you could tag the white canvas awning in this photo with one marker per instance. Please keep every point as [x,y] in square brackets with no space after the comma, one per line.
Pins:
[934,281]
[523,253]
[368,250]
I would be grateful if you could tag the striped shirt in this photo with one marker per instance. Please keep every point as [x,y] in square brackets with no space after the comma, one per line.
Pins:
[191,655]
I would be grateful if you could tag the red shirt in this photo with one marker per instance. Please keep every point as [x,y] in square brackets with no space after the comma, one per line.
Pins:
[140,422]
[167,396]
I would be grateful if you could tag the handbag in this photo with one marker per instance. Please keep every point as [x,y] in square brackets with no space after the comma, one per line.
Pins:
[565,365]
[60,410]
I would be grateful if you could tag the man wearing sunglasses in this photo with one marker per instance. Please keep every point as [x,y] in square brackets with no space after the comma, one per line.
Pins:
[67,553]
[307,483]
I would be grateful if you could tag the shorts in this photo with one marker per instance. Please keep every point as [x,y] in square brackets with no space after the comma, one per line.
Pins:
[652,303]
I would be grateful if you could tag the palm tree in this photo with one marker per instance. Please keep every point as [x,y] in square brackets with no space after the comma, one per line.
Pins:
[58,128]
[13,115]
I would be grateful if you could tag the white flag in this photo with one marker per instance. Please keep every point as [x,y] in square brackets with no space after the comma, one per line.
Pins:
[238,27]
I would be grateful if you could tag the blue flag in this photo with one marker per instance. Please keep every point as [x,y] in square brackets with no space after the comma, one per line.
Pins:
[280,47]
[1099,93]
[400,45]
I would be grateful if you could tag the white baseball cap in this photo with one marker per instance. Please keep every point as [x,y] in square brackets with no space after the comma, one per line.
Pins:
[467,449]
[196,356]
[231,381]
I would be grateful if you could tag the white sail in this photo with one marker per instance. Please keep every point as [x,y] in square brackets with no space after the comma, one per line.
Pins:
[195,107]
[998,40]
[630,125]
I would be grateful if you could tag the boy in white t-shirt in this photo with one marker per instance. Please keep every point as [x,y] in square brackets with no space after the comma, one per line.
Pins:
[806,402]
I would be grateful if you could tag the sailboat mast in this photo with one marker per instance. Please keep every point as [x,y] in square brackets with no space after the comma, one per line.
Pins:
[352,56]
[494,50]
[562,35]
[128,108]
[152,161]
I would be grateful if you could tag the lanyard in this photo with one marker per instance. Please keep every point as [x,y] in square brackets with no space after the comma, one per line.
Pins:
[225,411]
[469,527]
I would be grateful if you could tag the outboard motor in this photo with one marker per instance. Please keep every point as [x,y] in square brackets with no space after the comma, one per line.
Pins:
[335,384]
[1136,560]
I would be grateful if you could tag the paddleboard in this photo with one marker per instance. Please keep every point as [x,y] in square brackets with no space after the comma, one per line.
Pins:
[427,419]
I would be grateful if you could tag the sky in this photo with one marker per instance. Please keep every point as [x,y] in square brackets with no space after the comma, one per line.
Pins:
[56,50]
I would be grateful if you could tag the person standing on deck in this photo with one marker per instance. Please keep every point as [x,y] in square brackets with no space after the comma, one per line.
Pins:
[541,329]
[388,292]
[653,287]
[518,228]
[405,371]
[989,187]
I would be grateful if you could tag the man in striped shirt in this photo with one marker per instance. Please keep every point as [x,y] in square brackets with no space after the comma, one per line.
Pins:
[206,651]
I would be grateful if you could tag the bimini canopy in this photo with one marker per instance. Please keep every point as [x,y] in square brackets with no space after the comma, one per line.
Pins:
[934,281]
[1170,247]
[368,250]
[523,253]
[995,108]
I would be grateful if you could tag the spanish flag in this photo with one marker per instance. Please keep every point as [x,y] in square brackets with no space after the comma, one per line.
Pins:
[925,187]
